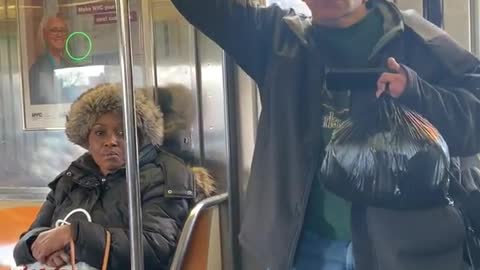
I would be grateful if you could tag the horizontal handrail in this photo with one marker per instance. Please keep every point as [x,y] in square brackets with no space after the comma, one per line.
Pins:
[187,231]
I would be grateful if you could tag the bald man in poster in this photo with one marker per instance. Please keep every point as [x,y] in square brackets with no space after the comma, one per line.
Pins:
[44,89]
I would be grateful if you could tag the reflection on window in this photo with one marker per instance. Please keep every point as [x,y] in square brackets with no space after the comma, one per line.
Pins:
[79,76]
[75,80]
[297,5]
[476,27]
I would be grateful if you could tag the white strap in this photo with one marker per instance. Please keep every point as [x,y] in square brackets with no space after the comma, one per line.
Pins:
[64,221]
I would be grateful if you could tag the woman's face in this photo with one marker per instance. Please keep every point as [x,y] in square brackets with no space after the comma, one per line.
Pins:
[106,142]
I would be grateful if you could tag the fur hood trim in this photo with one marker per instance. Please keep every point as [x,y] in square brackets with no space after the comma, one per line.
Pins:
[204,181]
[106,98]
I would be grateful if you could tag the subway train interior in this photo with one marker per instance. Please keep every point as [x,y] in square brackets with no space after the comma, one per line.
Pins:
[144,44]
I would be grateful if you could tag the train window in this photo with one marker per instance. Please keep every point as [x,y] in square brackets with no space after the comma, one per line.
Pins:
[175,61]
[298,5]
[50,52]
[416,5]
[457,21]
[475,26]
[173,39]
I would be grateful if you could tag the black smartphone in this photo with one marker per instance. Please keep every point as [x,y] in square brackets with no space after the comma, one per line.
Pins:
[362,79]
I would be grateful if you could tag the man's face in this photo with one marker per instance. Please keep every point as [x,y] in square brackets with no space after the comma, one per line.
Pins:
[55,33]
[326,10]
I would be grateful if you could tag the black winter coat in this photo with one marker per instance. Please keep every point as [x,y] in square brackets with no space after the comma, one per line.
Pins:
[167,192]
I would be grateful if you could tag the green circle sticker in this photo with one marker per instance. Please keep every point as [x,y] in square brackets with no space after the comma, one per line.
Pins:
[87,52]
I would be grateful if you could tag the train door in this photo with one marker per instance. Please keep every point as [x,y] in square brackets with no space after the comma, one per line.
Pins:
[457,18]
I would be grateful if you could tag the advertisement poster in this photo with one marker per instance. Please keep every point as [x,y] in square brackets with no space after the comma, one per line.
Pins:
[66,48]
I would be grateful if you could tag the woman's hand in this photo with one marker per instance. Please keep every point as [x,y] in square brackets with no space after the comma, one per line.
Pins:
[50,241]
[58,259]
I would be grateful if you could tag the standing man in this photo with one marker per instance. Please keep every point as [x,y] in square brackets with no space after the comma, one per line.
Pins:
[43,89]
[303,226]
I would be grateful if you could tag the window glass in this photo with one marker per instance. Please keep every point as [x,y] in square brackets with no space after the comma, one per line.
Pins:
[297,5]
[49,54]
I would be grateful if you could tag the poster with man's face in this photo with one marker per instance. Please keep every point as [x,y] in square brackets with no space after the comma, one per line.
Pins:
[44,89]
[66,48]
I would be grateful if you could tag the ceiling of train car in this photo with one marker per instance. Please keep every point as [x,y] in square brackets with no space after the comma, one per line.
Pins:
[7,10]
[162,9]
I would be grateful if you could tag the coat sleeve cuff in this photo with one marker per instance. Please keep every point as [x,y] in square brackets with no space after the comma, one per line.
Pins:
[22,251]
[411,97]
[74,230]
[89,239]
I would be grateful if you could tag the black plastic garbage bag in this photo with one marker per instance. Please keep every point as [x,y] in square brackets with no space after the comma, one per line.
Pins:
[391,157]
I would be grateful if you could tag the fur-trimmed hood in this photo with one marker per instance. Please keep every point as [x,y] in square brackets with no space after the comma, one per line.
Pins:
[204,182]
[105,98]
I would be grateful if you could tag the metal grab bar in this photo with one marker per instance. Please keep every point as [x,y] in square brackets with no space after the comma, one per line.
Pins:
[131,141]
[187,231]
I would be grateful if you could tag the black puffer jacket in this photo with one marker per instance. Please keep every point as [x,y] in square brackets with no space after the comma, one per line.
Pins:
[168,189]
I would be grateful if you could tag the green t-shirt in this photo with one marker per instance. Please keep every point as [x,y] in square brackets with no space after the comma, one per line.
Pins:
[327,214]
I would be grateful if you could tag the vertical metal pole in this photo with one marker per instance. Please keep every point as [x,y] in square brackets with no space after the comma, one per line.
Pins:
[146,32]
[135,221]
[232,163]
[475,26]
[198,81]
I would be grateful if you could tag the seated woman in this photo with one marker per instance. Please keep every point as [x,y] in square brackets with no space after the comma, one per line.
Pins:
[97,183]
